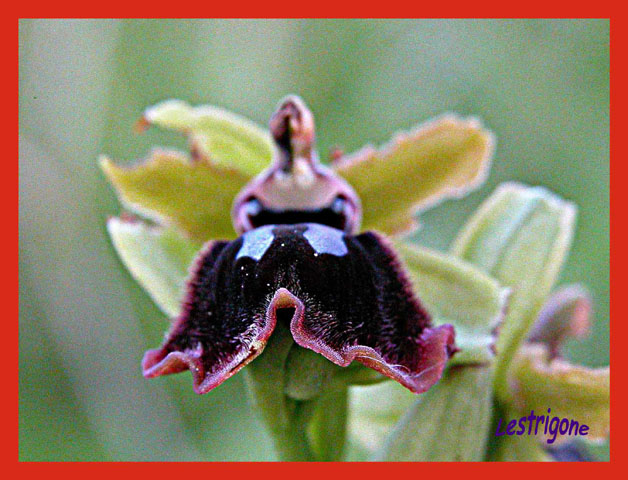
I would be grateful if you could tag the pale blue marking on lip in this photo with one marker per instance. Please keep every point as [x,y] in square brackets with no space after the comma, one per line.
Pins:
[324,239]
[256,242]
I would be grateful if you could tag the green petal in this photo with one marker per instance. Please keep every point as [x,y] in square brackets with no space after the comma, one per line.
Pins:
[449,422]
[195,196]
[454,292]
[571,391]
[441,159]
[157,258]
[520,236]
[225,138]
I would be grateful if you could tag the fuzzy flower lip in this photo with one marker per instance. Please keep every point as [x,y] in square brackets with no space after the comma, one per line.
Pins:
[345,297]
[342,293]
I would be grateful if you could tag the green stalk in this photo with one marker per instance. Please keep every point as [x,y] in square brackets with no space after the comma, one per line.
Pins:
[291,440]
[328,429]
[305,429]
[282,416]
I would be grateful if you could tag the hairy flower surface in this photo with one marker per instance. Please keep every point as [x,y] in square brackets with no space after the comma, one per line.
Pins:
[344,297]
[297,261]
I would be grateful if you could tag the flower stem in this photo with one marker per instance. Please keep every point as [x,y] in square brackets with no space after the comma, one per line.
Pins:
[329,425]
[286,419]
[302,430]
[292,443]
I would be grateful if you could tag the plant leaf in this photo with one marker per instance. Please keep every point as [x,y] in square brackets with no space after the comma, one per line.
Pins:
[157,258]
[227,139]
[449,422]
[373,412]
[521,236]
[571,391]
[454,292]
[444,158]
[194,196]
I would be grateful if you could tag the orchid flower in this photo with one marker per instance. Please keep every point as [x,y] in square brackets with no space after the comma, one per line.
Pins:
[263,256]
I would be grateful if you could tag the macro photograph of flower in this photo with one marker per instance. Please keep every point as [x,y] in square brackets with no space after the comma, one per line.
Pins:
[314,240]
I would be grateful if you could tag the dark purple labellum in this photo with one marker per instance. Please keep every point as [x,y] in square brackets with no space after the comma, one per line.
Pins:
[345,297]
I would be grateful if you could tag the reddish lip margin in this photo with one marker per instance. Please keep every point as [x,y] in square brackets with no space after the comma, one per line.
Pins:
[438,344]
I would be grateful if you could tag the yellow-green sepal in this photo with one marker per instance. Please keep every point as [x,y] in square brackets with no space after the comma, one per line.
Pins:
[194,196]
[158,258]
[444,158]
[220,136]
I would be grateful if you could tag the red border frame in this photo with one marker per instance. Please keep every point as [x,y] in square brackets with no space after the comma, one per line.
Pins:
[140,9]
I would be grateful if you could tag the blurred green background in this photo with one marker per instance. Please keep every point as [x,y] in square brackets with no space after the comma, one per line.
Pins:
[541,85]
